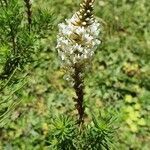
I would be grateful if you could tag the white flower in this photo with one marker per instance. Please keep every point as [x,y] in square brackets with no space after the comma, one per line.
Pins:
[78,38]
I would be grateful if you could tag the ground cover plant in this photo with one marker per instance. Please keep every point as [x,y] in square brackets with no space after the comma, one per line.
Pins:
[36,106]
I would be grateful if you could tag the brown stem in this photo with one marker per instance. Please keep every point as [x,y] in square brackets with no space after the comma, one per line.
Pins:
[13,40]
[79,87]
[29,13]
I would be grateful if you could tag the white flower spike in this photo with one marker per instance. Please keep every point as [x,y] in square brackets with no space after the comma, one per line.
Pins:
[78,36]
[76,43]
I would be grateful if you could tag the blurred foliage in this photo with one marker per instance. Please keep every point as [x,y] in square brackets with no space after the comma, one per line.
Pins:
[118,80]
[19,43]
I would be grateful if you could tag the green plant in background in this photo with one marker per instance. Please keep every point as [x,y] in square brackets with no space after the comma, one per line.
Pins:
[15,36]
[21,32]
[133,116]
[20,35]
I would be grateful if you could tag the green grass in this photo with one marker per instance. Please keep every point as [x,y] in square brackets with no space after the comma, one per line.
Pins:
[118,80]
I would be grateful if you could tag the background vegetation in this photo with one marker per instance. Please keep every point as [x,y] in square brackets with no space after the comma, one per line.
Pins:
[117,82]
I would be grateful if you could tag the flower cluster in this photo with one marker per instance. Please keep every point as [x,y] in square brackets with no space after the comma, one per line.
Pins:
[78,37]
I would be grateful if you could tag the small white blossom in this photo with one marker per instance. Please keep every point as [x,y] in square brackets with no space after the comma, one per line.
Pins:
[77,40]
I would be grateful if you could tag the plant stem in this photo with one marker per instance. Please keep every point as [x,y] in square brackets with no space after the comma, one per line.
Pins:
[29,13]
[79,87]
